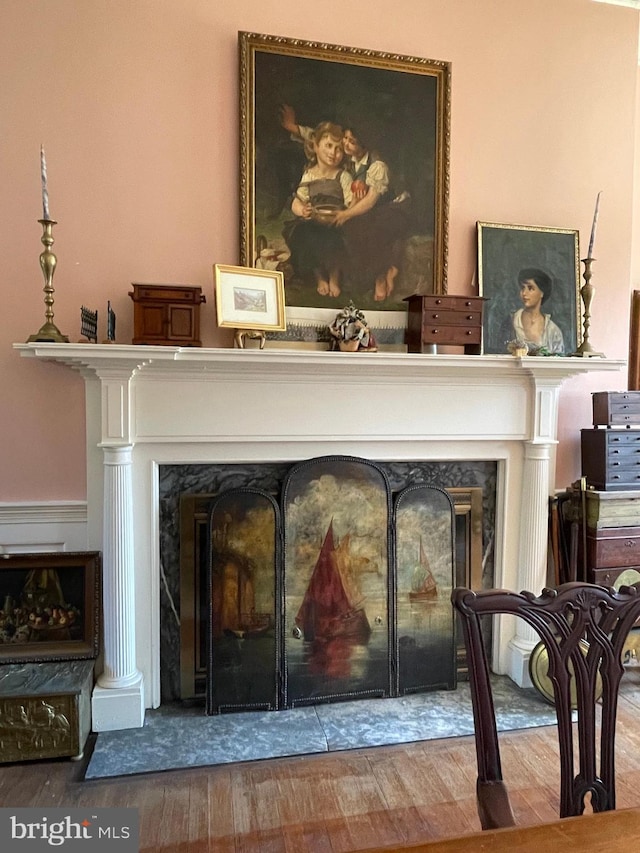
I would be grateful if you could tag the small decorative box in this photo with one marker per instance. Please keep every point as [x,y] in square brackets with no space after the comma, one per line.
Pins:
[444,320]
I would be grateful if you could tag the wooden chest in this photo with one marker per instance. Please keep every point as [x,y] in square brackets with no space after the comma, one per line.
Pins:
[613,547]
[45,709]
[616,408]
[614,577]
[444,320]
[166,314]
[612,509]
[611,458]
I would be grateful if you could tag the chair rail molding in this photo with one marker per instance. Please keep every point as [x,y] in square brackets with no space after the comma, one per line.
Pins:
[36,527]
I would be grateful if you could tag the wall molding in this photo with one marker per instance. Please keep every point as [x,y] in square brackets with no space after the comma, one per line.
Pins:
[633,4]
[43,526]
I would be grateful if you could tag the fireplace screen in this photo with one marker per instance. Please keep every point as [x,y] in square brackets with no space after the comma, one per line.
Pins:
[337,627]
[188,493]
[243,598]
[355,604]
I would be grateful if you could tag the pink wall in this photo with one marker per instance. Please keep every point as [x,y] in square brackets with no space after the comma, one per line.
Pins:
[135,102]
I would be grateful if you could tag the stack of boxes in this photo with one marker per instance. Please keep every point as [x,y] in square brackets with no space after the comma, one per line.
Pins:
[611,466]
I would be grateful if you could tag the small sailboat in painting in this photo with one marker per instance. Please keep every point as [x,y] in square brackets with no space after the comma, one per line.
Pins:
[423,587]
[332,607]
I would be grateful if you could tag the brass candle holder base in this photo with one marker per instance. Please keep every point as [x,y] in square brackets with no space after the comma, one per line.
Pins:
[587,292]
[48,332]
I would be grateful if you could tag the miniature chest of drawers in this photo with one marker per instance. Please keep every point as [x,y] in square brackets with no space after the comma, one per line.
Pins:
[611,458]
[166,314]
[616,408]
[444,320]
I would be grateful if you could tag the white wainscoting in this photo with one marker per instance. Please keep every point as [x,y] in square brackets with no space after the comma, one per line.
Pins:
[39,527]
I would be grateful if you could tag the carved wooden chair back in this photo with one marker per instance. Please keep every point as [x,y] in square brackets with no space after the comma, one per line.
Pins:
[584,628]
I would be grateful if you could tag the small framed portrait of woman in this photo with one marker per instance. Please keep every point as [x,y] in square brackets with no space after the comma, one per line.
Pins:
[530,277]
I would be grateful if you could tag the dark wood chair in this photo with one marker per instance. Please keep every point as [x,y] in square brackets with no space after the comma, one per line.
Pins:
[584,628]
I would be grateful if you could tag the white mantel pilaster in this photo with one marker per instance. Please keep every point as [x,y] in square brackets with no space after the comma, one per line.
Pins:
[148,406]
[120,682]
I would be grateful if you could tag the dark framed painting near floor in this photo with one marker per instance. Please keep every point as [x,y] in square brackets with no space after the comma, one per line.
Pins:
[49,606]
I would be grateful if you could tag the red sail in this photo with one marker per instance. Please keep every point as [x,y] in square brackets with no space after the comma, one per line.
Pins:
[326,610]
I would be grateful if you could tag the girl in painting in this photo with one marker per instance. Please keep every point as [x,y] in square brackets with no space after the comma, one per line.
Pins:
[317,248]
[529,325]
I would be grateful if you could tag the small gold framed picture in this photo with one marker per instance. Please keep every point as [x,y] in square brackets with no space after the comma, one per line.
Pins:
[249,298]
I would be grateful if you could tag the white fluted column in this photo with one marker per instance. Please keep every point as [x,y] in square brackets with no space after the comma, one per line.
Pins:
[532,549]
[117,700]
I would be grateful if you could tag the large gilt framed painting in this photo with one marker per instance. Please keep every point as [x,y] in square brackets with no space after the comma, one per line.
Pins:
[344,177]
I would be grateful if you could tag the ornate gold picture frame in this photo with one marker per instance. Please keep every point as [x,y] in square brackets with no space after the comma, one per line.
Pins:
[249,298]
[397,109]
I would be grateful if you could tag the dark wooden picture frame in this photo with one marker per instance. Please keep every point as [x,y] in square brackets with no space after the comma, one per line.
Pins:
[35,625]
[399,106]
[551,255]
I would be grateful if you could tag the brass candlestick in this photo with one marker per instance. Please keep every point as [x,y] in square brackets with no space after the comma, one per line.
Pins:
[587,292]
[49,332]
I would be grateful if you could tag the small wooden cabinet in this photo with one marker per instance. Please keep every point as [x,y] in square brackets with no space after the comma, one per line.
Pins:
[613,547]
[616,408]
[613,556]
[611,458]
[444,320]
[166,314]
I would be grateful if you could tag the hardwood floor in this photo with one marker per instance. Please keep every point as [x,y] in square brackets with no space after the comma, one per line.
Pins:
[334,803]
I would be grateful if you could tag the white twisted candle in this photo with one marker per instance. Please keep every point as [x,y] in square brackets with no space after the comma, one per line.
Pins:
[593,227]
[45,191]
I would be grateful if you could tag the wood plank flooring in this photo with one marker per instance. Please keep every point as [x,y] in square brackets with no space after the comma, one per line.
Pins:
[336,803]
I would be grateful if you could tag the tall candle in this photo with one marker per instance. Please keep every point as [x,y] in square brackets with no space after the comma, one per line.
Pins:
[45,191]
[593,227]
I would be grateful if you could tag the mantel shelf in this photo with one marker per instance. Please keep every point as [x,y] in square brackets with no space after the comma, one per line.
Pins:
[381,366]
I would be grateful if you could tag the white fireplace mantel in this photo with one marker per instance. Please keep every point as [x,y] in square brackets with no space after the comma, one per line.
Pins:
[147,406]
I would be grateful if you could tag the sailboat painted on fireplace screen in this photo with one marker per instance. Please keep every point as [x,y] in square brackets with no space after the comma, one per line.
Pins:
[424,586]
[332,606]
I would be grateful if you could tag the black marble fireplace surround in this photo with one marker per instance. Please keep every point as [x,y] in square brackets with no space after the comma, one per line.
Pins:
[178,480]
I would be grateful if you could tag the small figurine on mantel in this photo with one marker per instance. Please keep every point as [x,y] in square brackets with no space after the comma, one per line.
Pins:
[111,325]
[88,324]
[350,332]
